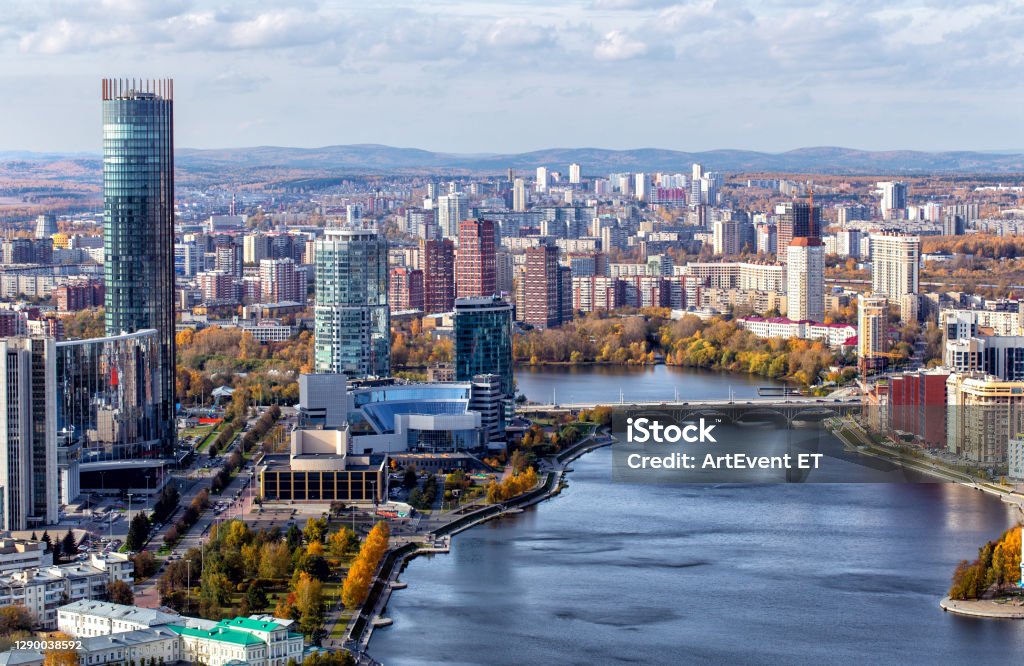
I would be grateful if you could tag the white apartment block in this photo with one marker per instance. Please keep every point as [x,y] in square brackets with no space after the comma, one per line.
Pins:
[737,275]
[17,555]
[834,335]
[895,264]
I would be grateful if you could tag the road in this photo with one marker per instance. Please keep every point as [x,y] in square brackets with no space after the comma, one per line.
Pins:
[146,594]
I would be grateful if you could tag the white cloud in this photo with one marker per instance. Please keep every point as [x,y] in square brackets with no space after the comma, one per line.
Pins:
[390,57]
[617,46]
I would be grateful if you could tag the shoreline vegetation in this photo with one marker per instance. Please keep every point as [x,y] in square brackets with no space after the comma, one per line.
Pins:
[994,573]
[645,337]
[653,337]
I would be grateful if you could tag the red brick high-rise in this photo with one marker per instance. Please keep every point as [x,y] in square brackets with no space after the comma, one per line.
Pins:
[546,299]
[438,276]
[475,263]
[405,290]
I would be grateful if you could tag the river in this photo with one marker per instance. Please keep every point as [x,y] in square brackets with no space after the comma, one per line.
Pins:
[617,572]
[651,383]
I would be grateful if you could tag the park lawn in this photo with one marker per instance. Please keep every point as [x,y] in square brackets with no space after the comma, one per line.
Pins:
[197,431]
[209,438]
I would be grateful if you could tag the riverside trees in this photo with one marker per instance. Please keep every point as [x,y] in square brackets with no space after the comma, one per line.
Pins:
[998,564]
[360,574]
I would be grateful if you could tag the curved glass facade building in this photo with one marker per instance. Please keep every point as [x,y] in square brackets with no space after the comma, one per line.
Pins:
[108,395]
[353,321]
[138,222]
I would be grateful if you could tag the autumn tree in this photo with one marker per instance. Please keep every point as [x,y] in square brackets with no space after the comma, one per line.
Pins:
[15,617]
[309,604]
[360,575]
[60,652]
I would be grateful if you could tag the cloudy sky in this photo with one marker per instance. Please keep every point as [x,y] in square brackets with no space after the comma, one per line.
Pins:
[518,75]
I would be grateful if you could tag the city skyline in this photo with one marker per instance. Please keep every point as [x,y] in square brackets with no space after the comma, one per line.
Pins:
[766,77]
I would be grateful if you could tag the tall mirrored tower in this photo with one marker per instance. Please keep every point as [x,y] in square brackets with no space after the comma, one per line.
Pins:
[138,219]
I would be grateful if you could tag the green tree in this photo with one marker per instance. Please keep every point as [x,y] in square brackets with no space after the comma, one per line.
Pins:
[256,598]
[69,545]
[119,592]
[138,531]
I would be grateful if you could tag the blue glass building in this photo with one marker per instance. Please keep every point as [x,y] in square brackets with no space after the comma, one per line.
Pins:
[483,340]
[138,221]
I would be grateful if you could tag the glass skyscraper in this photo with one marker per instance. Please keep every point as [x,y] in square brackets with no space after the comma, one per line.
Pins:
[353,321]
[483,340]
[107,394]
[138,221]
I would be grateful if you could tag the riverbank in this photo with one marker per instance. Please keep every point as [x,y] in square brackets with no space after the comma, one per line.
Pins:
[866,446]
[371,616]
[983,608]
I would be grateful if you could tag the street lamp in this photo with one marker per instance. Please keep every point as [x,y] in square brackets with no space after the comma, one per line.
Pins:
[188,586]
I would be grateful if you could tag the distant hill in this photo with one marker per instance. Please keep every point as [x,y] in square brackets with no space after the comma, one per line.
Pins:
[374,158]
[594,161]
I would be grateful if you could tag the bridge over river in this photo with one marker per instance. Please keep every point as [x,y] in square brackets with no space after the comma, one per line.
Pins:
[735,411]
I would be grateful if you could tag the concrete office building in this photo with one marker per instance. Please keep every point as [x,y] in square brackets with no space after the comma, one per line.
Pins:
[28,433]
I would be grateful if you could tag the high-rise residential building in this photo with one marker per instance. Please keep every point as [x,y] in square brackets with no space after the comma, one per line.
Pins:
[438,275]
[504,271]
[917,406]
[28,433]
[475,263]
[420,223]
[710,185]
[406,289]
[795,219]
[872,329]
[983,413]
[894,198]
[694,199]
[726,237]
[542,179]
[353,214]
[353,322]
[767,238]
[848,243]
[280,281]
[846,214]
[218,287]
[451,208]
[519,196]
[895,264]
[228,257]
[805,280]
[542,288]
[643,187]
[255,248]
[483,340]
[953,224]
[46,226]
[574,174]
[138,220]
